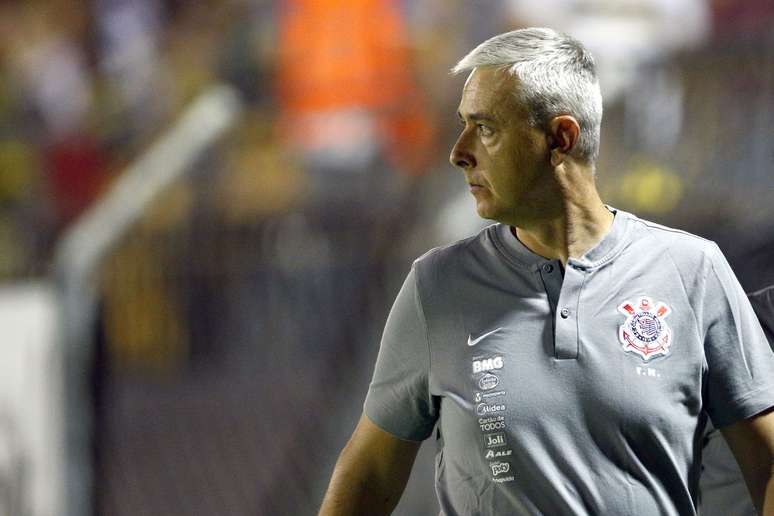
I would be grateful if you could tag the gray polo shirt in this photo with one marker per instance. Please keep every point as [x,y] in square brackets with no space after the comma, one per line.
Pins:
[723,490]
[583,392]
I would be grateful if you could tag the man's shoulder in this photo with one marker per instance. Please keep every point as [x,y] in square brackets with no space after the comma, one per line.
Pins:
[669,234]
[678,243]
[455,251]
[450,259]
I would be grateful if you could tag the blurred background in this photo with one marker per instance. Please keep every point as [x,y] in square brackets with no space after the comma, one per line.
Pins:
[207,208]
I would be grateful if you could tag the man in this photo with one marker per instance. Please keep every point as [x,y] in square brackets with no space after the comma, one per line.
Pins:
[722,488]
[569,356]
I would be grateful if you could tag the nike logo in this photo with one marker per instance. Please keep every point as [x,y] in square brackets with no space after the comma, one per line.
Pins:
[473,342]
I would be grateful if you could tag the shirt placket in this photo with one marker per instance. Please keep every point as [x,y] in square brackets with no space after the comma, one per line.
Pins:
[564,298]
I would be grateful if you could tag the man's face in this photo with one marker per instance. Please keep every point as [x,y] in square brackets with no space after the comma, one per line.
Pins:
[505,161]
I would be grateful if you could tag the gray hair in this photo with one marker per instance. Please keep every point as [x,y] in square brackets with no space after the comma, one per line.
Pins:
[557,75]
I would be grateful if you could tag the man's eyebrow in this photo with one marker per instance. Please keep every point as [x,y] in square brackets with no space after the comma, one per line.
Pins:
[477,117]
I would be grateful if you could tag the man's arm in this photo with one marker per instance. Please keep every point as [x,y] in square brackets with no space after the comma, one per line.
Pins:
[752,442]
[370,474]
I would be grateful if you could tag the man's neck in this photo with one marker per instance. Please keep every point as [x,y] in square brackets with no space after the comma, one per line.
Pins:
[579,223]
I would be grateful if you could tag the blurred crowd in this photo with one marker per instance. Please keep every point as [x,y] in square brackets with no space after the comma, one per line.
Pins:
[87,86]
[333,88]
[277,257]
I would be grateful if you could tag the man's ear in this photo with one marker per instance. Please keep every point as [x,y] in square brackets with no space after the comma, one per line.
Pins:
[563,135]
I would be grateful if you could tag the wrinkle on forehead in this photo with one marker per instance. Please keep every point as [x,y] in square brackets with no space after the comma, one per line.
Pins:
[490,90]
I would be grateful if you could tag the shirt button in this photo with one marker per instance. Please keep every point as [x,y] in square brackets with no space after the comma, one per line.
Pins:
[548,268]
[565,313]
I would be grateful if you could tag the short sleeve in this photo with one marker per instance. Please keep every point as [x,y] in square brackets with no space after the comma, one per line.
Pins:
[398,399]
[740,363]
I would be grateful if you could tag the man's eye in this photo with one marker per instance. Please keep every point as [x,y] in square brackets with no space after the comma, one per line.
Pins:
[484,130]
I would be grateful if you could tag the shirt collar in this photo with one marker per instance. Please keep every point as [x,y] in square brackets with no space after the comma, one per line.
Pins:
[605,250]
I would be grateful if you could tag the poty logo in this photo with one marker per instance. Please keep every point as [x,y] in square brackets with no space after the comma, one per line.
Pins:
[499,468]
[487,364]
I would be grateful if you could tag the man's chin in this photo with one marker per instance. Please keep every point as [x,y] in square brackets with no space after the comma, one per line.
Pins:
[485,211]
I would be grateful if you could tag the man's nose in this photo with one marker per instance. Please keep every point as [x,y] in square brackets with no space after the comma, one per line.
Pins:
[460,155]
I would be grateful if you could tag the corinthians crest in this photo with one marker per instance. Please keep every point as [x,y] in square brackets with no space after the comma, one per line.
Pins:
[645,332]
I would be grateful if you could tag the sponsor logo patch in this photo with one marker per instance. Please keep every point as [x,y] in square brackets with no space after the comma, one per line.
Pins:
[479,396]
[488,382]
[501,480]
[498,468]
[483,409]
[488,424]
[645,331]
[473,342]
[487,364]
[496,454]
[495,440]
